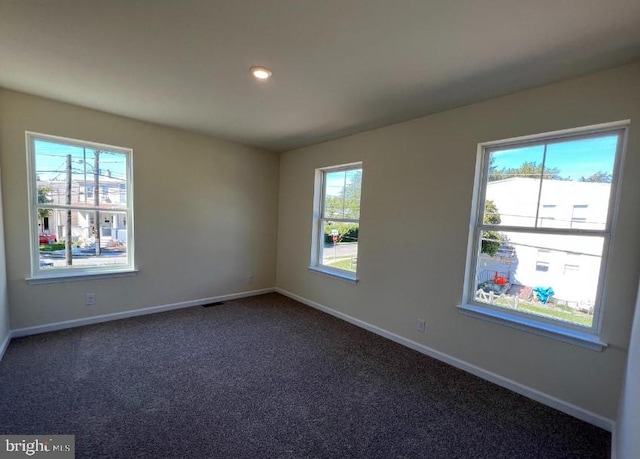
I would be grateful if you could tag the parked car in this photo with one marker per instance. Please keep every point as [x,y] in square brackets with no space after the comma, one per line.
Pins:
[48,238]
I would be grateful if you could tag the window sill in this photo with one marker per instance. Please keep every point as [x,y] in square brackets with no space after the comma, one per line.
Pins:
[567,335]
[338,274]
[56,278]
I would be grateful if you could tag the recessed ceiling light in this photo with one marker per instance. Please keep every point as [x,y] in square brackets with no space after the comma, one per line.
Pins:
[261,73]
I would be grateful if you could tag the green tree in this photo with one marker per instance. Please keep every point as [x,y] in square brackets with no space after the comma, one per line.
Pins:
[352,193]
[491,240]
[347,232]
[529,169]
[43,198]
[598,177]
[346,205]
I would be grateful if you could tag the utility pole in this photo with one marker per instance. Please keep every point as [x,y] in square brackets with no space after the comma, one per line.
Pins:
[96,198]
[67,242]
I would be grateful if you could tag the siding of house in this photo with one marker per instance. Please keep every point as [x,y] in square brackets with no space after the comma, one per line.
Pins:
[417,190]
[516,202]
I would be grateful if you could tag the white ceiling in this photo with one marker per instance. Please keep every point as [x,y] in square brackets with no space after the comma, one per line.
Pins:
[339,66]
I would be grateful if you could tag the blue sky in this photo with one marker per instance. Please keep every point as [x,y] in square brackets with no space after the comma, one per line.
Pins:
[51,161]
[336,181]
[575,159]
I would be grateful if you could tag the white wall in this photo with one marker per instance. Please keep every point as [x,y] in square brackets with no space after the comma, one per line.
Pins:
[416,200]
[4,302]
[205,213]
[627,441]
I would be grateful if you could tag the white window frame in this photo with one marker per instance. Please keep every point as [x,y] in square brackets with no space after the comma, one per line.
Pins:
[49,275]
[548,212]
[569,268]
[577,219]
[543,260]
[317,237]
[542,266]
[562,331]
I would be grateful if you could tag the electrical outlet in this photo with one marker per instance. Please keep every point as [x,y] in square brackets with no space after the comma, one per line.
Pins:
[90,299]
[250,279]
[421,326]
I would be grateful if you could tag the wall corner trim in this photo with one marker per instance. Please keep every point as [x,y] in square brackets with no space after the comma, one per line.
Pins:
[529,392]
[5,344]
[614,441]
[132,313]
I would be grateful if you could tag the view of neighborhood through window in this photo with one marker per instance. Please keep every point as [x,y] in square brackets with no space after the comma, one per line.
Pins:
[339,219]
[543,229]
[80,205]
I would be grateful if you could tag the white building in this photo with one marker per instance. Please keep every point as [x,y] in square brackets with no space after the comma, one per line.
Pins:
[568,264]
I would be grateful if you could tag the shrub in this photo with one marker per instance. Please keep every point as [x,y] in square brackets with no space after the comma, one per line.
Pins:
[347,232]
[52,247]
[491,240]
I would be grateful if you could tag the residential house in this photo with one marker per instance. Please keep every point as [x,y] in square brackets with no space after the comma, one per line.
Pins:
[110,193]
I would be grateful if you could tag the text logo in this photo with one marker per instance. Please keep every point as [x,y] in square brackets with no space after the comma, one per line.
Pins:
[44,446]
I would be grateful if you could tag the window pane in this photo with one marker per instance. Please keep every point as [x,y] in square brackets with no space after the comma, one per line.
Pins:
[72,175]
[547,275]
[110,236]
[342,194]
[577,183]
[340,245]
[513,186]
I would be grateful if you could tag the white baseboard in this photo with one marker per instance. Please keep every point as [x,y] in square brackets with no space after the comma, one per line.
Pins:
[5,344]
[529,392]
[132,313]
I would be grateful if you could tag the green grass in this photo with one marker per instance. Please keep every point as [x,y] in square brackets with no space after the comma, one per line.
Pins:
[549,311]
[52,247]
[344,263]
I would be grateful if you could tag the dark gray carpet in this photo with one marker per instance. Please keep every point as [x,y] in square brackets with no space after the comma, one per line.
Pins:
[267,377]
